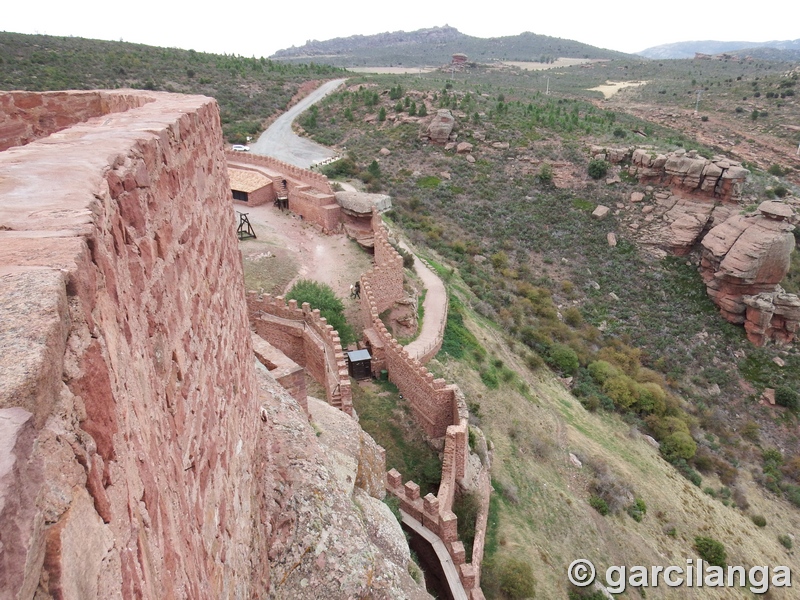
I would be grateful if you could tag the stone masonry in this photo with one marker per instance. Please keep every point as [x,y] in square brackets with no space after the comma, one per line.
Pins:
[440,409]
[143,454]
[128,392]
[310,194]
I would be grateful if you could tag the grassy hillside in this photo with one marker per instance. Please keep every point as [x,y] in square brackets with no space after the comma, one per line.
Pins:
[249,90]
[543,508]
[537,267]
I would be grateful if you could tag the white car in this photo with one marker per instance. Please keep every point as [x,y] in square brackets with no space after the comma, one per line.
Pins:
[240,148]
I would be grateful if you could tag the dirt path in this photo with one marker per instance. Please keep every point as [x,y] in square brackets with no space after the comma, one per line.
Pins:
[435,306]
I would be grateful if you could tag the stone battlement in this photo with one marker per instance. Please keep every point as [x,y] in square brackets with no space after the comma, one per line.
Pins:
[438,407]
[306,338]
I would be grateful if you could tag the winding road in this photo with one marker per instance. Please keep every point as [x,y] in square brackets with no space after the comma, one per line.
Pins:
[279,141]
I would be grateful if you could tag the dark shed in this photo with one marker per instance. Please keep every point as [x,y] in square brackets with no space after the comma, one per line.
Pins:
[360,364]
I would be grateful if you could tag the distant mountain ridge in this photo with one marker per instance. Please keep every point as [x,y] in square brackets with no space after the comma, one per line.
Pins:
[781,49]
[435,46]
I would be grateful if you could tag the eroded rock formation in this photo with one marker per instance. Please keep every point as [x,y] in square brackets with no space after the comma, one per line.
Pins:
[743,261]
[685,173]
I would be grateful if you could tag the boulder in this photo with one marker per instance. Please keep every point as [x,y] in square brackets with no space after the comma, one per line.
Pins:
[441,126]
[743,261]
[601,212]
[464,148]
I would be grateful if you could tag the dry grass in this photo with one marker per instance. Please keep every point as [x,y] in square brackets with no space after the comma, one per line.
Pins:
[544,511]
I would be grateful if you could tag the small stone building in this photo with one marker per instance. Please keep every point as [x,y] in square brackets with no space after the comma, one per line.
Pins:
[250,187]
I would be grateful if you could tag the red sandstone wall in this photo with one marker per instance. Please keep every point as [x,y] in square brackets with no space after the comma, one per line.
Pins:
[151,450]
[310,194]
[440,409]
[316,207]
[27,116]
[305,337]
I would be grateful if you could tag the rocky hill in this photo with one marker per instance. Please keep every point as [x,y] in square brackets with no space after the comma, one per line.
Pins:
[436,46]
[780,50]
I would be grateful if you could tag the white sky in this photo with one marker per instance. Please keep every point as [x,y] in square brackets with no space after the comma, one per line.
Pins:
[251,28]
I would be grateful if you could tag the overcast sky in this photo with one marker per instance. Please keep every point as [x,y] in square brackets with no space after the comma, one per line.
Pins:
[259,28]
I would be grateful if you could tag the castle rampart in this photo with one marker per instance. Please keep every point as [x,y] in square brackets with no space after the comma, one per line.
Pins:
[127,361]
[310,193]
[305,337]
[440,409]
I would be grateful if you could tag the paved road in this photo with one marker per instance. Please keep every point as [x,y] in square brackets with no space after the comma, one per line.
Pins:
[279,141]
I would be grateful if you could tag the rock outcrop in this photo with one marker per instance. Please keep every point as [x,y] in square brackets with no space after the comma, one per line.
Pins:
[441,127]
[743,261]
[685,173]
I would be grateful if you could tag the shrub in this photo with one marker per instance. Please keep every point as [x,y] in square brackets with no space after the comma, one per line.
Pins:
[622,390]
[597,168]
[600,505]
[776,170]
[515,577]
[678,445]
[637,510]
[573,317]
[322,296]
[563,358]
[711,551]
[381,114]
[759,520]
[545,175]
[785,541]
[781,191]
[786,396]
[601,371]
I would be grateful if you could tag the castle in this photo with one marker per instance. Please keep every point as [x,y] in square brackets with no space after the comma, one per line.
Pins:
[157,445]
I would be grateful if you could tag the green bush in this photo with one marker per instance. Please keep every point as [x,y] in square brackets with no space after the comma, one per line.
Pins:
[786,396]
[545,175]
[711,551]
[637,510]
[597,168]
[781,191]
[759,520]
[516,579]
[322,296]
[563,358]
[786,541]
[600,505]
[678,445]
[776,170]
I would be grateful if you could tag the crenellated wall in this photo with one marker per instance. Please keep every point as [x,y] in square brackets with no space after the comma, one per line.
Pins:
[305,337]
[127,362]
[440,409]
